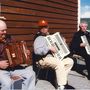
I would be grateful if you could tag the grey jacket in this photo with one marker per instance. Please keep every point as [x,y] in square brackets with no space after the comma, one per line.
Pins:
[41,46]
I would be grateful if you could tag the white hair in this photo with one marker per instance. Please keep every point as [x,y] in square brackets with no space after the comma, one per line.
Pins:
[83,22]
[2,25]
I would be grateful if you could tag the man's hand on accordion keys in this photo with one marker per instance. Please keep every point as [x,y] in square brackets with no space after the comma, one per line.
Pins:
[52,49]
[4,64]
[83,44]
[28,52]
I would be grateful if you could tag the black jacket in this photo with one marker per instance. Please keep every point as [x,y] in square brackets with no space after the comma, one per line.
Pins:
[76,40]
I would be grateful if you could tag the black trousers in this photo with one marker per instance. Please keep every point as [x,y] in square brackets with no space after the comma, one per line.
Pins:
[87,61]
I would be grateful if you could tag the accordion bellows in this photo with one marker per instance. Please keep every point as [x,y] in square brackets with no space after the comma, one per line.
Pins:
[85,40]
[59,44]
[17,54]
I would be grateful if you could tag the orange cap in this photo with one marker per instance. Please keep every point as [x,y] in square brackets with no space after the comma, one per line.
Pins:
[42,23]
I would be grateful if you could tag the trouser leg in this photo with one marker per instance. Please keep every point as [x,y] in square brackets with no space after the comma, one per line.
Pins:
[28,76]
[87,61]
[5,80]
[60,68]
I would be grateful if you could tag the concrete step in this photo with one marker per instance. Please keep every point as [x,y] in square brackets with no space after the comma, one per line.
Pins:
[76,80]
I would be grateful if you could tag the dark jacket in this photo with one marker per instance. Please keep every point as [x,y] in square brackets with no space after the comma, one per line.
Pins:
[76,40]
[37,57]
[2,47]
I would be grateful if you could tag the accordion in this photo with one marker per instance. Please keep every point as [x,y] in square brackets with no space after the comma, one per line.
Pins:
[85,40]
[60,45]
[17,54]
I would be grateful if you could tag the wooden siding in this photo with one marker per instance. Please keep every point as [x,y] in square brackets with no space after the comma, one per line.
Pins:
[22,17]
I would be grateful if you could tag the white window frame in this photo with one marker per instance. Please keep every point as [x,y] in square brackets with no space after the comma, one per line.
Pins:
[79,5]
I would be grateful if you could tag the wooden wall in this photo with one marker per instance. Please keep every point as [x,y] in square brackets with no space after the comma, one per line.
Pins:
[22,17]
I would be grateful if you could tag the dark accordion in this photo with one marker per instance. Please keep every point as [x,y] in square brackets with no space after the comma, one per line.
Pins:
[17,54]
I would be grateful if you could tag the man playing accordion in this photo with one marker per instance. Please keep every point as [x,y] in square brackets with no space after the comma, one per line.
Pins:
[43,55]
[6,72]
[77,45]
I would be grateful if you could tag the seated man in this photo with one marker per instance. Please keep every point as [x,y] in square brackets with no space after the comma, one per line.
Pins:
[6,72]
[44,56]
[77,46]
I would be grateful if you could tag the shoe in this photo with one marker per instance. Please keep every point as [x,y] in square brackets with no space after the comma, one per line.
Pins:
[69,87]
[88,77]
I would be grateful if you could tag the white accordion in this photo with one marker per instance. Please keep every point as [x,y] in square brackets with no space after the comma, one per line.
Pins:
[60,45]
[87,47]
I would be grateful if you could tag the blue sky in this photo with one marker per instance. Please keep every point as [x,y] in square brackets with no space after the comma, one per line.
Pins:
[85,9]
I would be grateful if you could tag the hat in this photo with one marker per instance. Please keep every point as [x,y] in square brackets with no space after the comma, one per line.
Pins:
[42,23]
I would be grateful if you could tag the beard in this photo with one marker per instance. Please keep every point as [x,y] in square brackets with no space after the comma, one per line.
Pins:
[2,38]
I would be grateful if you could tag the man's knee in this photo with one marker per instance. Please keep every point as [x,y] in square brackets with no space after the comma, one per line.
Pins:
[70,61]
[30,75]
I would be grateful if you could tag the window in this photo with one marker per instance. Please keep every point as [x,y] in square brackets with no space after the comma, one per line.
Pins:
[85,11]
